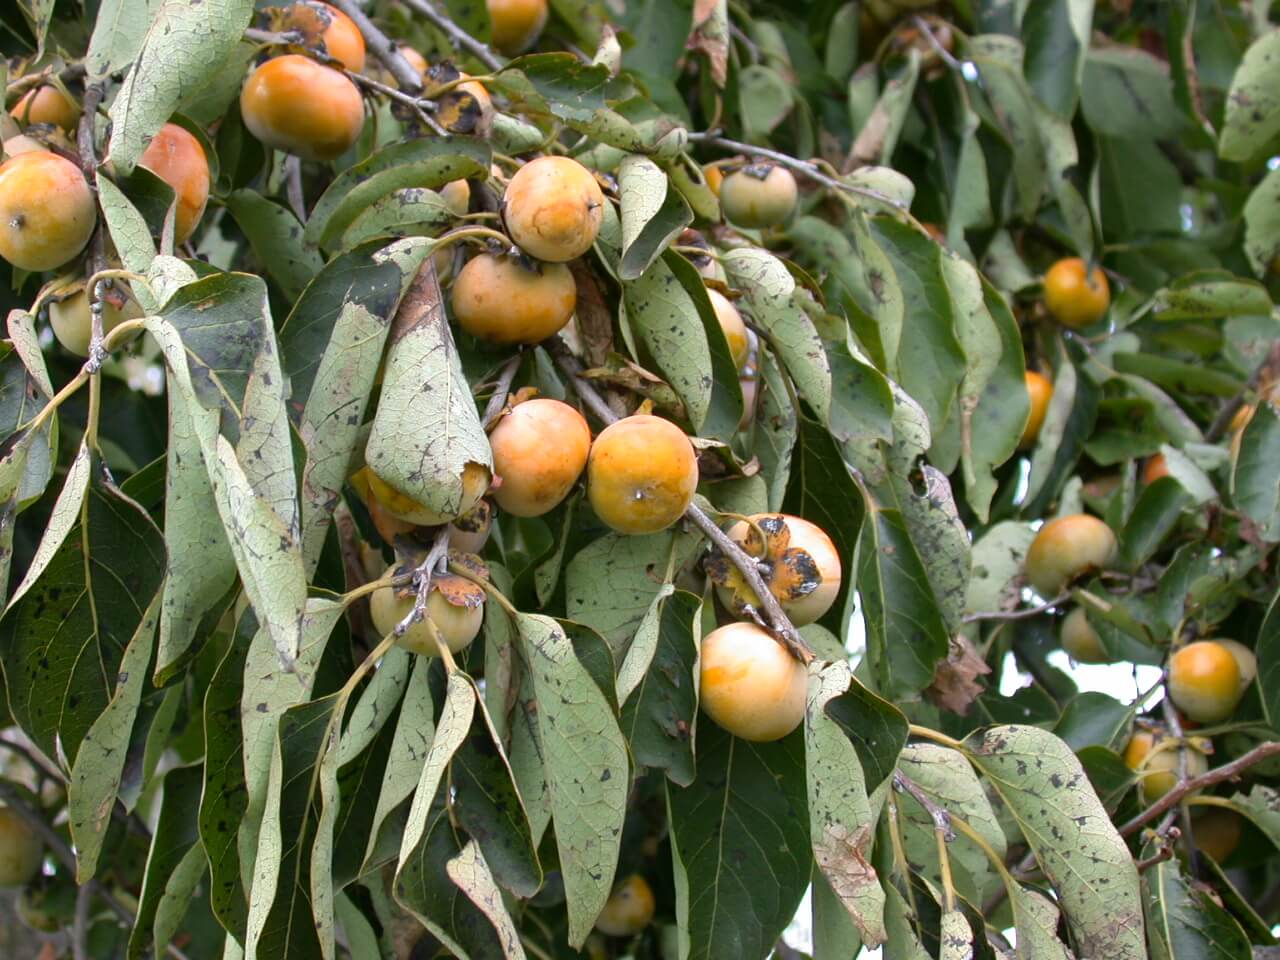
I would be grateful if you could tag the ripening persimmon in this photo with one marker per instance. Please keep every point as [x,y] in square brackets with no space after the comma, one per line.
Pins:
[1157,758]
[1067,548]
[456,195]
[1076,297]
[514,25]
[475,481]
[629,908]
[758,195]
[176,157]
[641,474]
[1217,832]
[1040,391]
[455,606]
[470,532]
[553,208]
[539,451]
[21,851]
[1080,639]
[735,330]
[463,108]
[47,104]
[1156,468]
[294,104]
[1246,660]
[796,559]
[388,525]
[713,173]
[325,28]
[510,299]
[72,323]
[22,144]
[749,684]
[1204,681]
[47,212]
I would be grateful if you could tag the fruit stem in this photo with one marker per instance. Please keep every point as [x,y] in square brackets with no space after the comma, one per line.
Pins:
[501,387]
[782,628]
[1016,614]
[457,36]
[925,733]
[471,233]
[422,107]
[489,588]
[383,47]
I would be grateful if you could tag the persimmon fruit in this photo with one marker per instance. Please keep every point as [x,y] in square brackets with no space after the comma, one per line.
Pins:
[749,684]
[1080,639]
[294,104]
[47,211]
[1157,762]
[509,299]
[21,851]
[455,606]
[641,474]
[72,322]
[758,195]
[1075,296]
[176,157]
[796,559]
[1040,392]
[553,208]
[326,28]
[629,908]
[731,322]
[47,104]
[514,25]
[539,451]
[1204,681]
[1067,548]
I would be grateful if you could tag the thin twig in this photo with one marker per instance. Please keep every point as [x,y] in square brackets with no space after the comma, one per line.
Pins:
[501,387]
[779,623]
[383,47]
[923,26]
[423,574]
[1223,420]
[293,187]
[1184,813]
[80,926]
[85,142]
[1016,614]
[1228,771]
[940,816]
[422,107]
[459,37]
[805,167]
[21,85]
[1160,856]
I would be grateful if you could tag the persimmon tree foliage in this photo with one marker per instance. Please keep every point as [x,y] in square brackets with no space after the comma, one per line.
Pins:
[501,481]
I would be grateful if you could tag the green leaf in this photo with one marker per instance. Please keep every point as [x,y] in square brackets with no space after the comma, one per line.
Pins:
[568,89]
[1128,93]
[1071,834]
[765,100]
[64,633]
[1056,35]
[1268,650]
[1158,510]
[1012,113]
[1262,224]
[429,162]
[130,234]
[660,714]
[1093,718]
[1200,297]
[740,842]
[184,46]
[995,584]
[609,584]
[906,635]
[99,767]
[652,214]
[876,728]
[26,462]
[841,827]
[1255,472]
[175,863]
[275,235]
[426,434]
[1252,117]
[118,33]
[947,778]
[776,430]
[667,322]
[587,769]
[1184,921]
[407,212]
[1069,421]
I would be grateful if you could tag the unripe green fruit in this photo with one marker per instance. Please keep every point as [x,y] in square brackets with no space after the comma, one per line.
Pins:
[1067,548]
[761,195]
[455,605]
[72,323]
[21,852]
[1080,640]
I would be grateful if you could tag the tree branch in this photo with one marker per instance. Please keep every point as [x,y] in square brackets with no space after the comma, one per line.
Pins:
[805,167]
[1016,614]
[1183,814]
[940,816]
[501,387]
[457,36]
[423,574]
[383,47]
[1228,771]
[778,624]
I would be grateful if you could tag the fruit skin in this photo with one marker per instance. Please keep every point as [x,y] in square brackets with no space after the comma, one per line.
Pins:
[176,157]
[553,208]
[21,851]
[22,144]
[713,173]
[475,481]
[323,25]
[539,451]
[761,195]
[514,25]
[629,908]
[470,532]
[1040,390]
[749,684]
[1204,681]
[1159,767]
[458,624]
[1080,640]
[415,59]
[456,195]
[735,330]
[1067,548]
[641,474]
[1246,660]
[73,326]
[1075,301]
[49,105]
[1156,468]
[508,300]
[1217,832]
[294,104]
[388,525]
[812,540]
[47,212]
